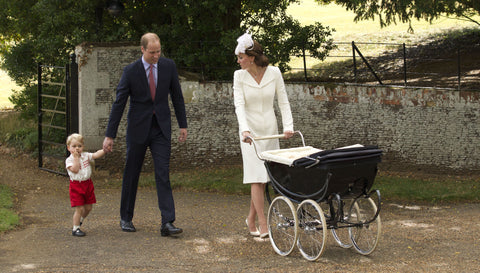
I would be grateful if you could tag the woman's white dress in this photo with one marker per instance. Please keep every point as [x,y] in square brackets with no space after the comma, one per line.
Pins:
[254,107]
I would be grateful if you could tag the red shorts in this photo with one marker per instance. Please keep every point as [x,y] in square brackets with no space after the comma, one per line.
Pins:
[82,193]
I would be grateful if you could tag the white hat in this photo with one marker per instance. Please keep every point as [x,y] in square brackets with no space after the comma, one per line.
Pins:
[244,42]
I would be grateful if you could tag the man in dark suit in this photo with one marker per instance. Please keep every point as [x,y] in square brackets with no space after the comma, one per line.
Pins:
[148,82]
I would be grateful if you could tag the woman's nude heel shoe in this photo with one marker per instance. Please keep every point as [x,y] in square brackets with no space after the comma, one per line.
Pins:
[253,233]
[264,235]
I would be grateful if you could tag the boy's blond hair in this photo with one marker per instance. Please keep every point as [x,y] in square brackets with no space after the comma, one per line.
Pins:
[72,137]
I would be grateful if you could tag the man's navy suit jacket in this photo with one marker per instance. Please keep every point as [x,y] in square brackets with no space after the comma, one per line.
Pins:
[134,84]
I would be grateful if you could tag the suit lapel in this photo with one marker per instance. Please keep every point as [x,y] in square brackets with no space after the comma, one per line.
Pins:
[142,75]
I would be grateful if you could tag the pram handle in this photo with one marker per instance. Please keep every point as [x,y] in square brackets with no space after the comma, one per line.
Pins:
[253,139]
[269,137]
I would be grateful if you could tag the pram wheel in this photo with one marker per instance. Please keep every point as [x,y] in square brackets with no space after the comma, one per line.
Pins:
[312,230]
[366,231]
[282,225]
[340,232]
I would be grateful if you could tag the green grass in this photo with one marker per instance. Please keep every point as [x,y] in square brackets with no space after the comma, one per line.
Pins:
[8,218]
[428,190]
[337,17]
[346,30]
[392,188]
[220,180]
[17,132]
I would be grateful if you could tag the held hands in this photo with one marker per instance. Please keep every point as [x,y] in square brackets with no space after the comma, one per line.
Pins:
[108,141]
[108,144]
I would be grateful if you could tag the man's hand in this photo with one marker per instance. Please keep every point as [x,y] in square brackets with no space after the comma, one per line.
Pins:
[183,135]
[108,144]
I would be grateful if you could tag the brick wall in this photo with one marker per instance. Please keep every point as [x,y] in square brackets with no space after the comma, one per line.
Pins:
[418,128]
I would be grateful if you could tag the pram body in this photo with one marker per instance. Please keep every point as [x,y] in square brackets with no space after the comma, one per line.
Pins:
[348,172]
[340,180]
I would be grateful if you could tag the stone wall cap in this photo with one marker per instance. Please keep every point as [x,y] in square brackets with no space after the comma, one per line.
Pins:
[109,44]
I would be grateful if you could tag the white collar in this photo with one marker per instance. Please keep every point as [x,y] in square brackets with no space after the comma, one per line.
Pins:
[147,65]
[268,76]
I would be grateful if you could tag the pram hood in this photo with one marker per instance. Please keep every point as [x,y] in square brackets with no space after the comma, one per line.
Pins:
[343,154]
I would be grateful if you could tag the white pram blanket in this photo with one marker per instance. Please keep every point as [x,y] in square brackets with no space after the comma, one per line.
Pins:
[288,156]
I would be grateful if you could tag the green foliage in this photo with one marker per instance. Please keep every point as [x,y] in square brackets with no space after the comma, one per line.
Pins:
[25,101]
[291,39]
[389,11]
[8,218]
[24,138]
[18,132]
[199,35]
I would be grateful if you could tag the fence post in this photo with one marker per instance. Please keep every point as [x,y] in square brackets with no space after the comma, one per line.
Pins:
[73,96]
[68,106]
[355,48]
[404,64]
[304,65]
[458,68]
[354,62]
[39,113]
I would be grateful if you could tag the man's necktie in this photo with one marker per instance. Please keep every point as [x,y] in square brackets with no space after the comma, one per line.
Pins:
[151,82]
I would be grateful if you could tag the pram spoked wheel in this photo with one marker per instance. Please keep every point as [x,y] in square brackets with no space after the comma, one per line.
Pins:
[282,225]
[312,230]
[342,209]
[366,232]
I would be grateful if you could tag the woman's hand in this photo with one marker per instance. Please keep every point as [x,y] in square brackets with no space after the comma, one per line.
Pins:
[246,137]
[288,134]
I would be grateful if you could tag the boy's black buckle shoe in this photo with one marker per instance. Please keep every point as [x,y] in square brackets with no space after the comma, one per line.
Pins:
[78,233]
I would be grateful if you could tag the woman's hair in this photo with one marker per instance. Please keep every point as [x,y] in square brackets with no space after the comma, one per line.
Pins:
[257,51]
[73,137]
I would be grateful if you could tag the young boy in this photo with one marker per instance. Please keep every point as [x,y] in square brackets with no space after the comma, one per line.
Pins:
[82,195]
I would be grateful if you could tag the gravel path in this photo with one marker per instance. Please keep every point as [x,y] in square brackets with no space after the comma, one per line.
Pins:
[215,239]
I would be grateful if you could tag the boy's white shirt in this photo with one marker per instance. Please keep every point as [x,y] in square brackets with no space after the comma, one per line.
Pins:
[85,168]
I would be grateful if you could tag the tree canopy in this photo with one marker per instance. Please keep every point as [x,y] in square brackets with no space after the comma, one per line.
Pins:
[389,11]
[198,35]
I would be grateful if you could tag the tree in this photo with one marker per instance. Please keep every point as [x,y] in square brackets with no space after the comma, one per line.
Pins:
[199,35]
[283,36]
[389,11]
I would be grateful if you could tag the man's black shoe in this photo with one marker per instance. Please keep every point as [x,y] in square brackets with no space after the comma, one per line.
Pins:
[127,226]
[169,229]
[78,233]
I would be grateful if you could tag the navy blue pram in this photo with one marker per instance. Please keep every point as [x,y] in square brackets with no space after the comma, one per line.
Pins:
[333,191]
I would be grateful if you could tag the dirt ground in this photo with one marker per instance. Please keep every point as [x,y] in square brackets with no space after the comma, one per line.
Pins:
[415,238]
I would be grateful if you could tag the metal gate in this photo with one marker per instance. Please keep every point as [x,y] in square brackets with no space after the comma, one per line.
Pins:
[57,113]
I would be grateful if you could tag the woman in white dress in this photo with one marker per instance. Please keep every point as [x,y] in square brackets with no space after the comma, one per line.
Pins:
[255,87]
